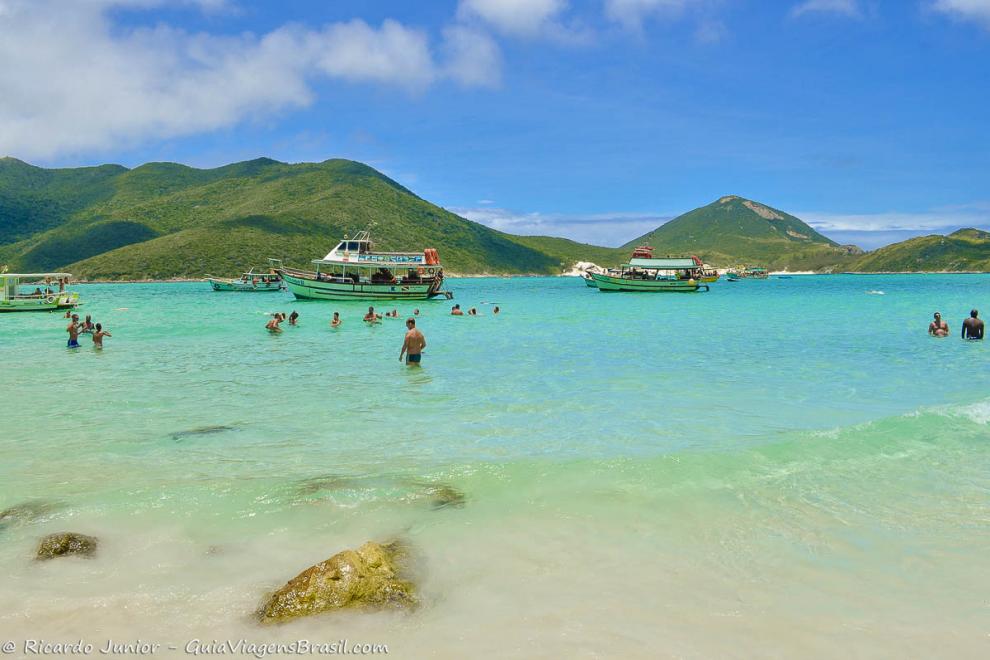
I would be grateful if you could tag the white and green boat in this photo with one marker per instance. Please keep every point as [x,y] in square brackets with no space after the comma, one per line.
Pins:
[352,270]
[36,292]
[250,282]
[669,274]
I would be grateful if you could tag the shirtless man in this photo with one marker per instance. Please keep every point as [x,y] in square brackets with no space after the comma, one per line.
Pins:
[456,311]
[415,342]
[73,331]
[99,335]
[371,317]
[87,325]
[938,327]
[972,328]
[335,321]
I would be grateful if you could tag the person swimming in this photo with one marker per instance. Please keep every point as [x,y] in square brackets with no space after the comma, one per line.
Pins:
[371,316]
[972,328]
[273,323]
[293,317]
[335,321]
[938,327]
[496,310]
[456,311]
[416,312]
[98,336]
[472,312]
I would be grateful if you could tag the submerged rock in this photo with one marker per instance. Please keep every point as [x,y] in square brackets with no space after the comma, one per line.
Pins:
[202,430]
[63,544]
[383,488]
[367,578]
[26,512]
[442,495]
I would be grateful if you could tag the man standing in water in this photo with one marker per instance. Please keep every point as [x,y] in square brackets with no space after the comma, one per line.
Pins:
[972,328]
[415,342]
[73,331]
[938,327]
[99,335]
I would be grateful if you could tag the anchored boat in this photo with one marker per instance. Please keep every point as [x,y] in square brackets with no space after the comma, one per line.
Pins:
[249,281]
[648,274]
[49,292]
[354,271]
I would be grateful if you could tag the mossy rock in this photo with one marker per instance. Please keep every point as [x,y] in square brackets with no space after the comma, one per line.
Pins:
[26,512]
[367,578]
[64,544]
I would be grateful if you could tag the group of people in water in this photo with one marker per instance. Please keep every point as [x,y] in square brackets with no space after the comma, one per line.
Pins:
[413,344]
[972,328]
[87,327]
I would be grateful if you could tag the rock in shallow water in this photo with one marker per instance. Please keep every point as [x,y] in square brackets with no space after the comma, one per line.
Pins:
[367,578]
[63,544]
[26,512]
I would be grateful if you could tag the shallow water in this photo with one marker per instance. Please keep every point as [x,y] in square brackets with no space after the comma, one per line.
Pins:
[769,469]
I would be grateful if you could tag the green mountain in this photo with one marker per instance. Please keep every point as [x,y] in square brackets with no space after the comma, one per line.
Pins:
[966,249]
[164,220]
[733,230]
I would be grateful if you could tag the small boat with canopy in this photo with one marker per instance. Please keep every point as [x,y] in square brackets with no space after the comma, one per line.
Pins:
[646,273]
[36,292]
[352,270]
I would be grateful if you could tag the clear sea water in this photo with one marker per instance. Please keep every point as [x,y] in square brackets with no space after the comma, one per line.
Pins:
[784,468]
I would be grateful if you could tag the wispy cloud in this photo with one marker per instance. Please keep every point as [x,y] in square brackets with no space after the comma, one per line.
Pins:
[609,229]
[967,10]
[632,13]
[83,82]
[872,230]
[848,8]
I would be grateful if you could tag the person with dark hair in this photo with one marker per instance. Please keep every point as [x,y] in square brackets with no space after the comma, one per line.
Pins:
[456,311]
[99,335]
[335,321]
[938,327]
[293,317]
[972,328]
[73,331]
[413,345]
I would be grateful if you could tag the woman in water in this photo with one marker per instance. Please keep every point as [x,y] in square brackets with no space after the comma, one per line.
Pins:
[293,317]
[335,321]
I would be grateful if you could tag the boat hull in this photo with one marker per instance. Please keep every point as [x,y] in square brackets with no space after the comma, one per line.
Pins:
[61,301]
[609,283]
[306,286]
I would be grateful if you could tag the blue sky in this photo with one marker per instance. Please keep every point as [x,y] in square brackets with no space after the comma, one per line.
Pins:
[592,119]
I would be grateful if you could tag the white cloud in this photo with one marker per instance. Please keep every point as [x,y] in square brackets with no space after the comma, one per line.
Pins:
[522,18]
[73,81]
[473,57]
[631,13]
[848,8]
[948,218]
[611,229]
[972,10]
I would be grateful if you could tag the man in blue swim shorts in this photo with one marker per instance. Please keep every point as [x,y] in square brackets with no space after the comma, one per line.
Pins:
[73,331]
[415,342]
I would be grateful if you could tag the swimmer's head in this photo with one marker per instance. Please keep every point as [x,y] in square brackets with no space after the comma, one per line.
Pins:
[99,327]
[938,315]
[410,323]
[974,313]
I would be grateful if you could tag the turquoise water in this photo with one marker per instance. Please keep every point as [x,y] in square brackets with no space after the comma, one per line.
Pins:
[771,468]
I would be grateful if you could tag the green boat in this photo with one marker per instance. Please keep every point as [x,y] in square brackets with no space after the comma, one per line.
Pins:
[670,274]
[48,295]
[250,282]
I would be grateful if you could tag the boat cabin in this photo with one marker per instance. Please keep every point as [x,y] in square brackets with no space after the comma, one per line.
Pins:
[668,268]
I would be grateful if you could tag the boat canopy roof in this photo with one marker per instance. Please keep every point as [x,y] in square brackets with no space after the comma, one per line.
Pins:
[34,276]
[669,263]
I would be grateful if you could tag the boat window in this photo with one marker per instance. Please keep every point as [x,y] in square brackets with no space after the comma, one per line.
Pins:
[353,246]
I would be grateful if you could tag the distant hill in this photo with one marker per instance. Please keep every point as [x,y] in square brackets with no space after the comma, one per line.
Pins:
[164,220]
[966,249]
[733,230]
